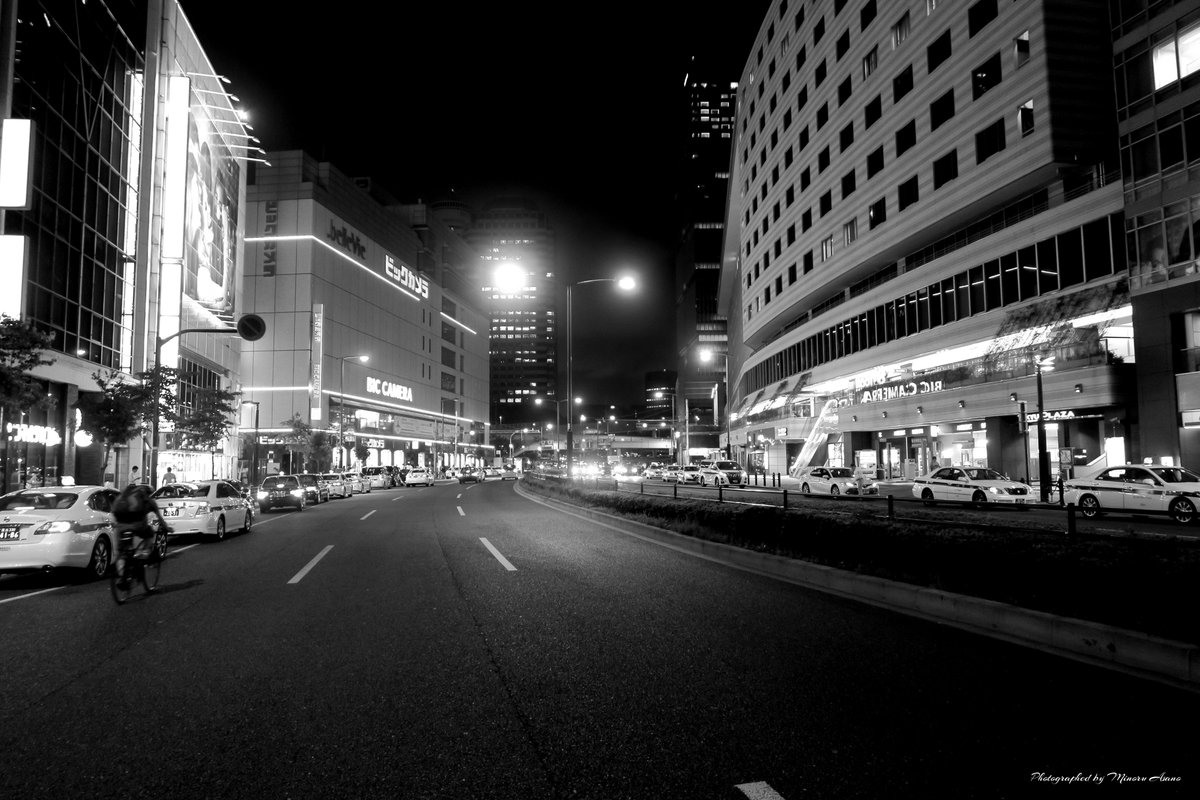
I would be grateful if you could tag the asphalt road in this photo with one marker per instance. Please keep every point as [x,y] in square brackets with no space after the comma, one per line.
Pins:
[465,642]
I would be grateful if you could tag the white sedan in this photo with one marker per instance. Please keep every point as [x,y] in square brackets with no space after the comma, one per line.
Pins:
[336,483]
[969,485]
[57,526]
[208,507]
[419,476]
[835,481]
[1137,489]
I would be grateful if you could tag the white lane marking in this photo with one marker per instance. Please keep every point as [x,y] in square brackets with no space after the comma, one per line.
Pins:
[759,791]
[364,516]
[401,497]
[458,496]
[496,553]
[300,575]
[461,513]
[31,594]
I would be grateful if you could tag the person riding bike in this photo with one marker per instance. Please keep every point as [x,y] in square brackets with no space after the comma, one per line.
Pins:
[131,510]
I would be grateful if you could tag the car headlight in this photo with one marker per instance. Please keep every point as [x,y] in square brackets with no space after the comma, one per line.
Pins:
[994,490]
[297,492]
[263,495]
[54,526]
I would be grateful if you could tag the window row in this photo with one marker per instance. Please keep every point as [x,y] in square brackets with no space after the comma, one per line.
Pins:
[1071,258]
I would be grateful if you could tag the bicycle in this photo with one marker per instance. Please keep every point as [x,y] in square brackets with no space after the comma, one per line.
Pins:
[144,568]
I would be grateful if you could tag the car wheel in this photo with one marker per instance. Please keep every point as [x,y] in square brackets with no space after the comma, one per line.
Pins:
[1183,511]
[804,488]
[101,558]
[927,497]
[248,521]
[979,497]
[835,491]
[1089,506]
[220,534]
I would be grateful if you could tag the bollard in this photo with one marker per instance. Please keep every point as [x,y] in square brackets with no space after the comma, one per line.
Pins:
[641,488]
[675,490]
[785,499]
[891,507]
[1070,519]
[720,493]
[1060,491]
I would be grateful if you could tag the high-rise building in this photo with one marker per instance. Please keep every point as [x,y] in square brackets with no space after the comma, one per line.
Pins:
[700,199]
[520,287]
[923,218]
[1156,53]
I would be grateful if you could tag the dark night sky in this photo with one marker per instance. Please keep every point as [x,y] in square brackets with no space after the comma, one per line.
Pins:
[578,106]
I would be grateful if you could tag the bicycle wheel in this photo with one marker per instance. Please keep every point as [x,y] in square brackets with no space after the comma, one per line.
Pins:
[120,580]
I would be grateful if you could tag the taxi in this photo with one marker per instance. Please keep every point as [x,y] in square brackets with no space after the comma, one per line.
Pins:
[207,507]
[835,481]
[57,526]
[969,485]
[1137,489]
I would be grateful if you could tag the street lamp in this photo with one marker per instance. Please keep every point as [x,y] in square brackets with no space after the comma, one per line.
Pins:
[342,404]
[706,356]
[1042,364]
[625,284]
[254,463]
[510,442]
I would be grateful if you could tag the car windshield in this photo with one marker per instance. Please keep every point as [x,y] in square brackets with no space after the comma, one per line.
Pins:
[841,472]
[331,477]
[275,483]
[984,475]
[175,491]
[38,501]
[1175,475]
[726,465]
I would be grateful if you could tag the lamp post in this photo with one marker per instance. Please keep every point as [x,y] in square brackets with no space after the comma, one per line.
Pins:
[674,441]
[510,442]
[626,284]
[1042,364]
[254,463]
[706,356]
[342,403]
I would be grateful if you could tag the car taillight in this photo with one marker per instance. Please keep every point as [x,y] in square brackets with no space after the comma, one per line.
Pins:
[203,508]
[54,526]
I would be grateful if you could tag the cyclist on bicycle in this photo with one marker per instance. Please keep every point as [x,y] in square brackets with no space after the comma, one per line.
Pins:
[131,510]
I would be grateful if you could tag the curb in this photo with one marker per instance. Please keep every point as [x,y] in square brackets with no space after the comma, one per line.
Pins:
[1140,655]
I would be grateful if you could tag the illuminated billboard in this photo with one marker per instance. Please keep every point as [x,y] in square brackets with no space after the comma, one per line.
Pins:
[211,218]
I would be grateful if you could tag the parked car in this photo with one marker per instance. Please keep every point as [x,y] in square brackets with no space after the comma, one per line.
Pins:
[733,474]
[335,483]
[354,483]
[418,476]
[689,473]
[470,475]
[969,485]
[653,470]
[672,473]
[57,526]
[314,492]
[491,472]
[835,481]
[208,507]
[281,491]
[508,474]
[378,477]
[1137,489]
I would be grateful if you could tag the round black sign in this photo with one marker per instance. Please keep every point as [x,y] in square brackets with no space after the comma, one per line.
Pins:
[251,327]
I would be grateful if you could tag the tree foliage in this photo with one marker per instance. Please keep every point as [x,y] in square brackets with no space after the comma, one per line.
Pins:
[210,419]
[123,409]
[22,348]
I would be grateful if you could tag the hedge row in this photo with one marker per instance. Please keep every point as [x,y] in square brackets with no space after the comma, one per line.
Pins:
[1146,584]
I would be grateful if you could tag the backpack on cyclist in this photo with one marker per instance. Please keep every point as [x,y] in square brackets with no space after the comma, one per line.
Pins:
[130,505]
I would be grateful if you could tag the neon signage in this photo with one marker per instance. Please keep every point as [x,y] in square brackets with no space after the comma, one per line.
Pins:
[405,277]
[900,390]
[32,434]
[396,391]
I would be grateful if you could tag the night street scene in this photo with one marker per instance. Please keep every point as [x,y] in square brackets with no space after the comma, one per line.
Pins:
[738,401]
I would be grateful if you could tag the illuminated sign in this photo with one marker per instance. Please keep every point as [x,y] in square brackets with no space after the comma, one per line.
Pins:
[389,389]
[1059,416]
[270,227]
[347,239]
[32,434]
[378,444]
[405,277]
[900,390]
[318,356]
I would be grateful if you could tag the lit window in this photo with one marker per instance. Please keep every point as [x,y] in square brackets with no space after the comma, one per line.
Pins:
[1025,118]
[850,231]
[900,31]
[827,248]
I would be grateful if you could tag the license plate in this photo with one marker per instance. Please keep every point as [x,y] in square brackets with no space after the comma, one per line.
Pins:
[170,512]
[1020,500]
[10,531]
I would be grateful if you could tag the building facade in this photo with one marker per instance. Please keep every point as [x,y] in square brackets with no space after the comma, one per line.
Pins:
[520,284]
[360,344]
[131,231]
[923,218]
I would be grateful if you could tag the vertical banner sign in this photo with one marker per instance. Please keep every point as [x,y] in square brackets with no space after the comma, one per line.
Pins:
[318,357]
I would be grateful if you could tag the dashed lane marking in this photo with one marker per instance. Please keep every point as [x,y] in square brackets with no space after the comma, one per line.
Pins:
[461,513]
[507,565]
[759,791]
[369,513]
[300,575]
